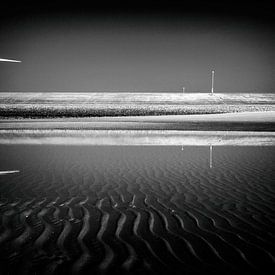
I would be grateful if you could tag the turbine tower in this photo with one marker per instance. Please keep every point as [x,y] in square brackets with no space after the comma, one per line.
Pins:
[212,82]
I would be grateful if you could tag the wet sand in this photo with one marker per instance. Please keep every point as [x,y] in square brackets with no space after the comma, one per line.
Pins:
[135,137]
[136,210]
[246,121]
[84,209]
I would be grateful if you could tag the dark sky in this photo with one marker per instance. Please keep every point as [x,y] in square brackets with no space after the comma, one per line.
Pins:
[147,46]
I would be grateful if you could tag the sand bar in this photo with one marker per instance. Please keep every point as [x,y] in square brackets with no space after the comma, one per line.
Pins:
[137,137]
[247,121]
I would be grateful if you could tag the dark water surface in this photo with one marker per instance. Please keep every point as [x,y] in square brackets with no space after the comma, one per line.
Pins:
[137,210]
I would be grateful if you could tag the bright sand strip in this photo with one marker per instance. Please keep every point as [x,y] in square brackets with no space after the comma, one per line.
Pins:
[140,137]
[147,130]
[128,122]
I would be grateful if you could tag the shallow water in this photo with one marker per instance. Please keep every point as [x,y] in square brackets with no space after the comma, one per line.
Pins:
[137,209]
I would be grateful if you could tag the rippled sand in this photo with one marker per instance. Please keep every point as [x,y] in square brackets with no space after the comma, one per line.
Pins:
[136,210]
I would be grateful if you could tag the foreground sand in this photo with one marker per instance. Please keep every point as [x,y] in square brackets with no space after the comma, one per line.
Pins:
[136,210]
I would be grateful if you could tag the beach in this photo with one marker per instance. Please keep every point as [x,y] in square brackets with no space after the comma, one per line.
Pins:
[187,188]
[137,137]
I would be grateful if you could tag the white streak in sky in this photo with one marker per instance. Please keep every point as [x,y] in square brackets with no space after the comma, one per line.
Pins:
[9,60]
[9,172]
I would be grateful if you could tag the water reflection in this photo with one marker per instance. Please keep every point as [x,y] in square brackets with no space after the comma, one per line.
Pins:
[9,172]
[210,156]
[211,147]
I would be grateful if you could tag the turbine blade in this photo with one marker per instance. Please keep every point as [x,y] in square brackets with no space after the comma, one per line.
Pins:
[9,60]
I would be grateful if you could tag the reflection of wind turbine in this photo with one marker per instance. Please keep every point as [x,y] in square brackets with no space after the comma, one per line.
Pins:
[210,157]
[10,60]
[9,172]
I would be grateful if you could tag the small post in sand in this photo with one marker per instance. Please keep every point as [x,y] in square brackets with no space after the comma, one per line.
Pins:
[212,82]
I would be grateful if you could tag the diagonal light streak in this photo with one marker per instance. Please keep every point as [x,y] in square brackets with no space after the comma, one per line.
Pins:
[9,60]
[9,172]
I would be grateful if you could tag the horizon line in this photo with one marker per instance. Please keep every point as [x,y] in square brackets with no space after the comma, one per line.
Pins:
[128,91]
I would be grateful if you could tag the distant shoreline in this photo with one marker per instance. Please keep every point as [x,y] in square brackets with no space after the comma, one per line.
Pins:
[133,111]
[144,92]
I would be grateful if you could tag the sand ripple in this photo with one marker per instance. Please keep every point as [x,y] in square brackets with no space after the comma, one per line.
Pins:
[139,212]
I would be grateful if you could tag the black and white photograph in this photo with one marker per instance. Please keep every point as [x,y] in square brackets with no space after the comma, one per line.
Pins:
[137,137]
